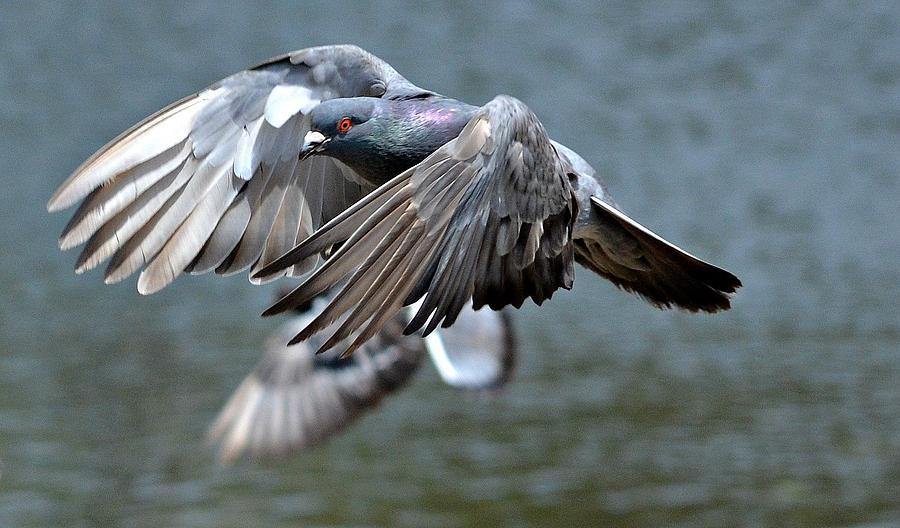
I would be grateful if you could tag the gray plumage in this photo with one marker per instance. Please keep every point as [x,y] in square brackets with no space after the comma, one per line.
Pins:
[412,196]
[462,224]
[294,400]
[228,153]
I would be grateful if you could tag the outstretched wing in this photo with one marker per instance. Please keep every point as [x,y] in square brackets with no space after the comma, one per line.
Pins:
[488,216]
[213,181]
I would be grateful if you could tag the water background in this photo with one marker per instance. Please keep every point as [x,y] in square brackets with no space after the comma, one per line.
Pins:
[763,136]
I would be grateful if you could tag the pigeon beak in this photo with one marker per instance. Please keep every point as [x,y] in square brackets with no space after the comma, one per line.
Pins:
[313,142]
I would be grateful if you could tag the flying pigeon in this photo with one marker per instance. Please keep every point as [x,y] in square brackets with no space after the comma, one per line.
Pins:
[294,400]
[327,153]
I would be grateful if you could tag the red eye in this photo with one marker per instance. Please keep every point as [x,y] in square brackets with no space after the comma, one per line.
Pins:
[344,125]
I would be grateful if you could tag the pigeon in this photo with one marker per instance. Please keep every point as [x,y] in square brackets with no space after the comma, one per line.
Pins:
[294,400]
[327,164]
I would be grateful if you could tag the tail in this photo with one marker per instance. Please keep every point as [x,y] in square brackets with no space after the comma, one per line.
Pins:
[640,261]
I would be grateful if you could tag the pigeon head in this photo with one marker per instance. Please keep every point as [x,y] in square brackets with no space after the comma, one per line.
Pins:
[337,127]
[380,138]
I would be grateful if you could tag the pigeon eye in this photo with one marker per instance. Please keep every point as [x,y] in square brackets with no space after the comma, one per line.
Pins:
[344,125]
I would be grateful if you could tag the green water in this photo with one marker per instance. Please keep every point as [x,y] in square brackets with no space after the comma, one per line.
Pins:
[764,137]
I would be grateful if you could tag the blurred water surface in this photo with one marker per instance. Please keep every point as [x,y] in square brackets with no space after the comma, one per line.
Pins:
[764,136]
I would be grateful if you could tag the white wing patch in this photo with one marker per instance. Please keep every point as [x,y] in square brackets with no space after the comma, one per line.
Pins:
[245,162]
[286,100]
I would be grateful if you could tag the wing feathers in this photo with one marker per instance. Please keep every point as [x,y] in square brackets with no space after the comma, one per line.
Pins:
[180,249]
[146,140]
[294,400]
[115,233]
[367,235]
[224,238]
[392,254]
[285,101]
[439,214]
[638,260]
[106,201]
[339,228]
[144,245]
[140,189]
[300,210]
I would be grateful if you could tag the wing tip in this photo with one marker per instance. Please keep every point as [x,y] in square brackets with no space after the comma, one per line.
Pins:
[66,195]
[718,283]
[271,270]
[61,199]
[302,336]
[275,309]
[66,243]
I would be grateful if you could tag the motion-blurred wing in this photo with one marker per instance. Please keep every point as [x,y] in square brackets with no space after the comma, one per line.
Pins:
[477,352]
[213,181]
[486,217]
[295,399]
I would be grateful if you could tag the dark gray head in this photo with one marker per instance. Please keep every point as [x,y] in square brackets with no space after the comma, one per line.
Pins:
[380,138]
[337,126]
